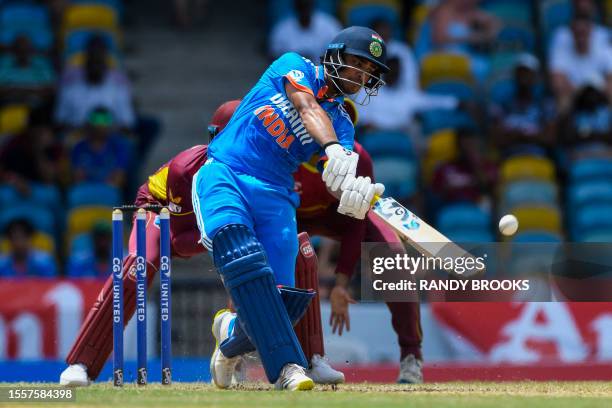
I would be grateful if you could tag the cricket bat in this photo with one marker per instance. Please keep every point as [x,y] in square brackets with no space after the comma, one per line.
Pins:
[420,235]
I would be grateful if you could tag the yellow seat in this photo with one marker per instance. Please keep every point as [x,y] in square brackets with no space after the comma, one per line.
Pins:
[443,66]
[82,219]
[419,15]
[540,218]
[608,12]
[40,241]
[442,147]
[89,16]
[527,167]
[13,119]
[78,60]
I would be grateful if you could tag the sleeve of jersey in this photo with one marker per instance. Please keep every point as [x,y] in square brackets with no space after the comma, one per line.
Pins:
[299,72]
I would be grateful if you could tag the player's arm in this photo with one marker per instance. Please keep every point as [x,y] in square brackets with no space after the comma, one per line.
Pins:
[313,117]
[341,162]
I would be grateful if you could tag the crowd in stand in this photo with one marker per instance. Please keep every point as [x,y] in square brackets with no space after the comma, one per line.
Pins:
[69,135]
[491,107]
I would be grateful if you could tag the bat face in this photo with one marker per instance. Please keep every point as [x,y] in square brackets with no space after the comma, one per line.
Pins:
[417,232]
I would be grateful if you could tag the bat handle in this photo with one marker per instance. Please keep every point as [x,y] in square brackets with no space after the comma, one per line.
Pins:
[374,200]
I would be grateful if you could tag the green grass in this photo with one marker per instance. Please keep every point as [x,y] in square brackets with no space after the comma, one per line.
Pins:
[498,395]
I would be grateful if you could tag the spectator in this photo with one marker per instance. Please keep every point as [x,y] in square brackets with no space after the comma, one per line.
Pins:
[470,177]
[25,77]
[397,102]
[409,76]
[23,260]
[586,129]
[102,156]
[307,33]
[92,261]
[460,26]
[34,156]
[563,40]
[84,89]
[524,123]
[581,60]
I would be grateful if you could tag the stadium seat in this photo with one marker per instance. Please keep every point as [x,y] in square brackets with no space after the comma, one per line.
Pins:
[500,89]
[528,192]
[393,7]
[417,19]
[116,5]
[461,90]
[527,167]
[590,169]
[501,64]
[553,14]
[463,216]
[13,119]
[442,147]
[40,241]
[526,237]
[82,219]
[589,192]
[595,235]
[92,194]
[40,217]
[516,37]
[539,218]
[591,217]
[280,9]
[433,121]
[40,37]
[470,236]
[365,14]
[510,12]
[398,175]
[86,16]
[387,144]
[76,41]
[443,66]
[78,59]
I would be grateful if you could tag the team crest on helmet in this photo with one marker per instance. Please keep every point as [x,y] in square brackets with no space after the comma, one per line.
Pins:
[296,74]
[375,49]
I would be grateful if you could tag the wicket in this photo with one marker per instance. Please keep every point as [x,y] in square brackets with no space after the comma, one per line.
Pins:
[141,296]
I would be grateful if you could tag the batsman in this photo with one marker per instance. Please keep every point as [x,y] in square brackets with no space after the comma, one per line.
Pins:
[244,200]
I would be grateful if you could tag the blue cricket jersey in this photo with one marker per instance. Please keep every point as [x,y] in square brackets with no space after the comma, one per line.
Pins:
[265,137]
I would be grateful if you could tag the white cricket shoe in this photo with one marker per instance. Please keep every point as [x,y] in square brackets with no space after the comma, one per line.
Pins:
[322,373]
[222,368]
[75,375]
[411,370]
[293,378]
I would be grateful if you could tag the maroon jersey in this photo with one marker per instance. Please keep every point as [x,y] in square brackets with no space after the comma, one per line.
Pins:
[318,214]
[170,186]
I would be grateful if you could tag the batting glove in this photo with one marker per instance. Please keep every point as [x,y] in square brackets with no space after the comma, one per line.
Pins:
[340,163]
[357,196]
